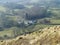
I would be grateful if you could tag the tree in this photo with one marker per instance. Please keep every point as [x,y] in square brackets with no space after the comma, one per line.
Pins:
[1,28]
[36,12]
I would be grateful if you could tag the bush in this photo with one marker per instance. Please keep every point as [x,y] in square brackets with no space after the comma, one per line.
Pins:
[45,21]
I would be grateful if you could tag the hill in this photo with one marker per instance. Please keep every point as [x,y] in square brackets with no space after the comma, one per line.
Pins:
[46,36]
[15,20]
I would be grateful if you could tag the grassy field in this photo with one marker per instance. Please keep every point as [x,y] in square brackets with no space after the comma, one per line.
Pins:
[55,21]
[31,28]
[2,9]
[6,32]
[9,32]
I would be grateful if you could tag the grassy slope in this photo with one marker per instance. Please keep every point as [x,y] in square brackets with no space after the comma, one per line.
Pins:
[33,27]
[46,36]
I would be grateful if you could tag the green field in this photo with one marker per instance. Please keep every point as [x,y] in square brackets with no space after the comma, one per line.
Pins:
[14,30]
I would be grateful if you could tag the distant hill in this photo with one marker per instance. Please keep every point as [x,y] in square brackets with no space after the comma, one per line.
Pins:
[8,0]
[33,1]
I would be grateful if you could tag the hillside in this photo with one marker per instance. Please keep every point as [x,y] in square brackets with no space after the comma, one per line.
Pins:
[30,22]
[46,36]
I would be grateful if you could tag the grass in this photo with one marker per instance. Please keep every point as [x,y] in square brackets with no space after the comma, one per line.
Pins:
[3,9]
[55,12]
[32,28]
[55,21]
[6,32]
[19,31]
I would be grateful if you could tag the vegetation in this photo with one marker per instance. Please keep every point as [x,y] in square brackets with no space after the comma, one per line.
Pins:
[17,19]
[30,22]
[48,36]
